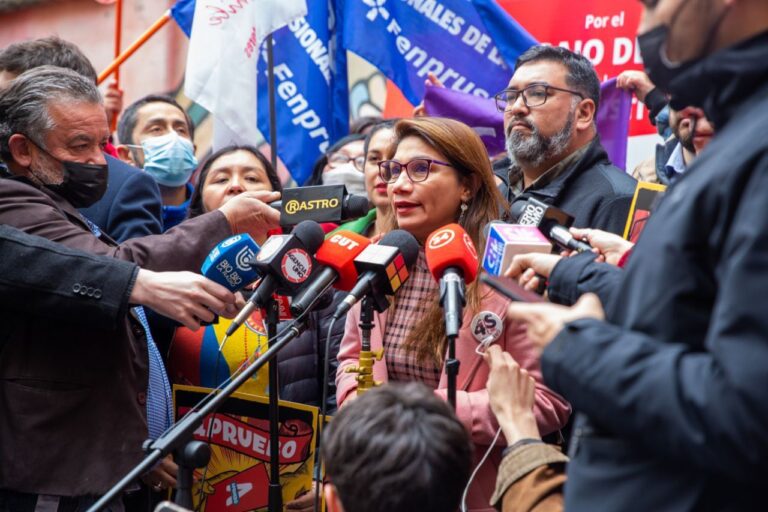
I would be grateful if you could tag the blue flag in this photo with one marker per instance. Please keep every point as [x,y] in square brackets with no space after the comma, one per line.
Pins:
[510,37]
[406,39]
[183,12]
[311,92]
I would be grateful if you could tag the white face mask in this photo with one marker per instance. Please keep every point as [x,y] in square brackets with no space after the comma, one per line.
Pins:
[348,176]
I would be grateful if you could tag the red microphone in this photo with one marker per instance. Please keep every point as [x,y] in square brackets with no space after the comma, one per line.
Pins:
[337,253]
[452,260]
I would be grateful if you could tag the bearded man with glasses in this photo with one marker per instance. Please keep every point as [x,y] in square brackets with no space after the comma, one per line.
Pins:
[554,151]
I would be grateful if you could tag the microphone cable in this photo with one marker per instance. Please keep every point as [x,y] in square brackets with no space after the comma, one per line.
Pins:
[477,468]
[323,412]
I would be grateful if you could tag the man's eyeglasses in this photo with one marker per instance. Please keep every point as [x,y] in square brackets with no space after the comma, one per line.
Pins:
[338,159]
[416,170]
[535,95]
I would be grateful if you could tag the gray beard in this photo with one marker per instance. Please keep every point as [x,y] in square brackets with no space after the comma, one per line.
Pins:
[535,149]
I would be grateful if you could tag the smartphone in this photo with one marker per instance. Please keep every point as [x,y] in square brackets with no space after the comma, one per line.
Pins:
[510,288]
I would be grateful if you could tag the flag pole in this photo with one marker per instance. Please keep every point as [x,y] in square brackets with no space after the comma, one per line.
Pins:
[275,489]
[118,34]
[118,38]
[143,38]
[272,107]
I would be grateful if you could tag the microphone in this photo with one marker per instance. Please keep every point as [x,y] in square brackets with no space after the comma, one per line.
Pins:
[337,254]
[553,222]
[321,203]
[452,260]
[383,268]
[286,262]
[505,241]
[229,263]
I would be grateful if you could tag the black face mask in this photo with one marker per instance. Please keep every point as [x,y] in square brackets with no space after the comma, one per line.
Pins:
[83,184]
[662,72]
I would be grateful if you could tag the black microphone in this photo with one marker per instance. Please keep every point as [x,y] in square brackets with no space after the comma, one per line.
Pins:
[382,267]
[286,261]
[551,221]
[321,203]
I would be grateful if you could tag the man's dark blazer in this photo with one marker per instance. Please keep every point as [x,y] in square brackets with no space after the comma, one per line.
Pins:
[72,395]
[131,206]
[49,280]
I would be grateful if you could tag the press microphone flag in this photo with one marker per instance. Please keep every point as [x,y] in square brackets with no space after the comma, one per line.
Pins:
[452,260]
[337,253]
[505,241]
[286,262]
[382,267]
[552,221]
[229,263]
[322,203]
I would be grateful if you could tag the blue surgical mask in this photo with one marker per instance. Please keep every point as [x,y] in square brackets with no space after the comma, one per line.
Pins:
[169,158]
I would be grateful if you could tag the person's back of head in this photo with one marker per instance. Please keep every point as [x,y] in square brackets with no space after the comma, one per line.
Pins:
[48,51]
[397,447]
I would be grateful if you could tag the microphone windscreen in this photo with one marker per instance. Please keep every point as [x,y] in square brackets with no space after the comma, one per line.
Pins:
[451,246]
[406,242]
[310,234]
[356,207]
[339,252]
[516,211]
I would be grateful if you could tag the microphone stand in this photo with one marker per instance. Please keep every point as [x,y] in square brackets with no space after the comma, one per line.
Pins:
[275,489]
[453,300]
[178,435]
[364,369]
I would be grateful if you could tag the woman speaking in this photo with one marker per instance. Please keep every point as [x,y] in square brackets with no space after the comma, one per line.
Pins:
[437,173]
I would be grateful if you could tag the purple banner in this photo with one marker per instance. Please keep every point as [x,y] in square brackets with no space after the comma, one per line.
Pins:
[613,121]
[481,114]
[478,113]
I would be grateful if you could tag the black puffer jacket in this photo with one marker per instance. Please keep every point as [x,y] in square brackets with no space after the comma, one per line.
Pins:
[300,363]
[595,192]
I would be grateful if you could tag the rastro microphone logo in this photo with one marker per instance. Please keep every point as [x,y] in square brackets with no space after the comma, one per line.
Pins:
[441,238]
[294,205]
[296,266]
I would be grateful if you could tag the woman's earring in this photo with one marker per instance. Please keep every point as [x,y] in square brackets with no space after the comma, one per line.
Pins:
[463,213]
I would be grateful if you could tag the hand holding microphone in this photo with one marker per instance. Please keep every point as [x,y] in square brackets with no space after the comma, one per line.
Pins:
[249,213]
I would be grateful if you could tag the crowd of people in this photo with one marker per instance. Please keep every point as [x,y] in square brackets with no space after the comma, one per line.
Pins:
[635,384]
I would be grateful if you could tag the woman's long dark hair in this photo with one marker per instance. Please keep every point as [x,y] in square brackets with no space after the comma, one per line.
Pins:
[196,201]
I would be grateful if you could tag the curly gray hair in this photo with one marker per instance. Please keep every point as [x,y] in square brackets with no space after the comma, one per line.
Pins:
[24,102]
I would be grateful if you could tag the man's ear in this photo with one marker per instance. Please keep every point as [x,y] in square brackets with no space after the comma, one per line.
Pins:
[332,500]
[126,155]
[585,114]
[19,146]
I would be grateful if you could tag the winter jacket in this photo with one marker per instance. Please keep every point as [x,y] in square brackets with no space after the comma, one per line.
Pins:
[672,386]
